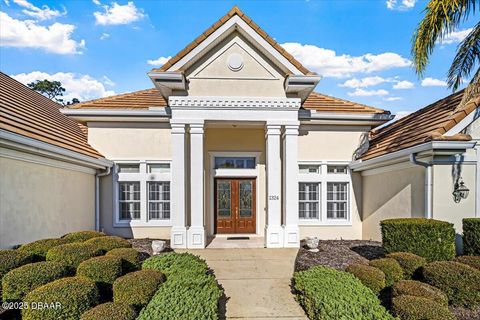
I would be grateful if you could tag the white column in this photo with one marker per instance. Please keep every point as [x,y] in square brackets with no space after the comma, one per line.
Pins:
[178,234]
[290,186]
[273,228]
[196,231]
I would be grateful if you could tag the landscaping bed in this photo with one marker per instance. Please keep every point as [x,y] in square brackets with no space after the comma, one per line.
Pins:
[145,245]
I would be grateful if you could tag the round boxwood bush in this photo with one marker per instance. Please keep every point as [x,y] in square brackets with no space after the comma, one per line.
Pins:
[11,259]
[73,254]
[103,270]
[20,281]
[419,289]
[390,267]
[329,294]
[472,261]
[81,236]
[460,282]
[67,298]
[108,243]
[419,308]
[371,277]
[131,258]
[40,248]
[109,311]
[471,236]
[172,264]
[137,288]
[410,263]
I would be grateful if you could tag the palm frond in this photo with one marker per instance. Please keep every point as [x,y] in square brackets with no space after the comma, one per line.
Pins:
[472,91]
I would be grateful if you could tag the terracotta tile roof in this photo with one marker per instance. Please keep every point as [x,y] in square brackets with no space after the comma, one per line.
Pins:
[142,99]
[427,124]
[30,114]
[234,11]
[321,102]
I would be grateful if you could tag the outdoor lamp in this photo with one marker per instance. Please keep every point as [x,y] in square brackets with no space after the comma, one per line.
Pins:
[460,192]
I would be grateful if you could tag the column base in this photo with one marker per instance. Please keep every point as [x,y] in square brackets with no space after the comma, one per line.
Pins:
[178,237]
[274,237]
[291,236]
[196,238]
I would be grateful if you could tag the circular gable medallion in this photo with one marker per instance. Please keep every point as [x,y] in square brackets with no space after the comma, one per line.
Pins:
[235,62]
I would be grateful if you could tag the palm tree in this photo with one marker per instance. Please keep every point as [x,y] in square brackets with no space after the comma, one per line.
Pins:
[441,18]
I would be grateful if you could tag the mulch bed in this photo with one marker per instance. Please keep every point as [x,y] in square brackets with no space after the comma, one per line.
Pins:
[145,245]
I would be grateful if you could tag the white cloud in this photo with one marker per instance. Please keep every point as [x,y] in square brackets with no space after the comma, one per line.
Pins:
[432,82]
[7,3]
[365,82]
[82,87]
[97,2]
[108,81]
[403,85]
[104,36]
[118,14]
[392,98]
[159,62]
[402,5]
[456,36]
[44,13]
[327,63]
[55,38]
[368,93]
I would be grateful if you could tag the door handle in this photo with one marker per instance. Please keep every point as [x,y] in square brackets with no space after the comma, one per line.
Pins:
[236,212]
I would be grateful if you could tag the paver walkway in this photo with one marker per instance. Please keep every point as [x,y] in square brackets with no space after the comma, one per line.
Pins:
[256,282]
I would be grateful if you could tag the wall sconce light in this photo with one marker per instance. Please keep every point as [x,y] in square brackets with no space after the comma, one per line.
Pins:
[460,192]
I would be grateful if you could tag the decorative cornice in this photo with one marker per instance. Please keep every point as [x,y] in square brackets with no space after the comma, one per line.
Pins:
[233,102]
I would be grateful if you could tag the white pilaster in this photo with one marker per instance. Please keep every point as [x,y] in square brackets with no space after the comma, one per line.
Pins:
[273,229]
[290,186]
[196,232]
[178,234]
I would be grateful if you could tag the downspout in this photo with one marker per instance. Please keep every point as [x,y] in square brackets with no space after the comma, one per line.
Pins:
[97,196]
[428,184]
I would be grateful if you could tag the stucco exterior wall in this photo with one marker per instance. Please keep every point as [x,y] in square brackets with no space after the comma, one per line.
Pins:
[39,201]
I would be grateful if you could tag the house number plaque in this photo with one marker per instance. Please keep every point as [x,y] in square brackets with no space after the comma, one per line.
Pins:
[273,197]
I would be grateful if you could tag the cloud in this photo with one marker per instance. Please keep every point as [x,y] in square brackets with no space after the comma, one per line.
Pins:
[104,36]
[159,62]
[392,98]
[403,85]
[432,82]
[118,14]
[44,13]
[455,36]
[83,87]
[402,5]
[97,2]
[55,38]
[365,82]
[327,63]
[368,93]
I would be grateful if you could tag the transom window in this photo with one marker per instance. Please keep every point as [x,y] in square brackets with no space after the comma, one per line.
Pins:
[305,168]
[337,169]
[234,162]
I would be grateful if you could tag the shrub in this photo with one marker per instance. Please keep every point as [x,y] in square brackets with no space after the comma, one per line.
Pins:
[172,264]
[72,296]
[40,248]
[108,243]
[418,308]
[73,254]
[81,236]
[109,311]
[420,289]
[409,262]
[11,259]
[471,236]
[390,267]
[137,288]
[472,261]
[20,281]
[131,258]
[371,277]
[432,239]
[103,270]
[327,294]
[461,283]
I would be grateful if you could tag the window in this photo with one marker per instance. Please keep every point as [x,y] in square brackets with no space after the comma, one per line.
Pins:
[158,200]
[308,195]
[337,200]
[337,169]
[309,168]
[159,168]
[128,168]
[129,200]
[234,162]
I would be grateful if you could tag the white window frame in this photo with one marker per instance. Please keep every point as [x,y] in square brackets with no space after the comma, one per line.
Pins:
[322,178]
[143,177]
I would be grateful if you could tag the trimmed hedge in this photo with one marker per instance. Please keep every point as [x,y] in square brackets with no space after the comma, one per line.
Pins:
[109,311]
[460,282]
[471,236]
[102,270]
[11,259]
[418,308]
[390,267]
[20,281]
[81,236]
[420,289]
[73,254]
[410,263]
[371,277]
[40,248]
[108,243]
[137,288]
[472,261]
[172,264]
[131,258]
[70,298]
[328,294]
[432,239]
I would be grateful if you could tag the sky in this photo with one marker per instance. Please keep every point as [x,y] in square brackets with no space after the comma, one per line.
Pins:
[97,48]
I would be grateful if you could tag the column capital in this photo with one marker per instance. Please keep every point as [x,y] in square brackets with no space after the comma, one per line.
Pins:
[291,129]
[178,128]
[273,129]
[197,128]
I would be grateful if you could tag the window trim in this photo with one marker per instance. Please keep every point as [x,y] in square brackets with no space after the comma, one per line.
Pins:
[319,190]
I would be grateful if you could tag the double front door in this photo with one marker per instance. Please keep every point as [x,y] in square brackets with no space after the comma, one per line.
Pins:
[235,205]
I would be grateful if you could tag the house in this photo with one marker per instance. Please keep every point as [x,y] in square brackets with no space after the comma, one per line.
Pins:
[233,140]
